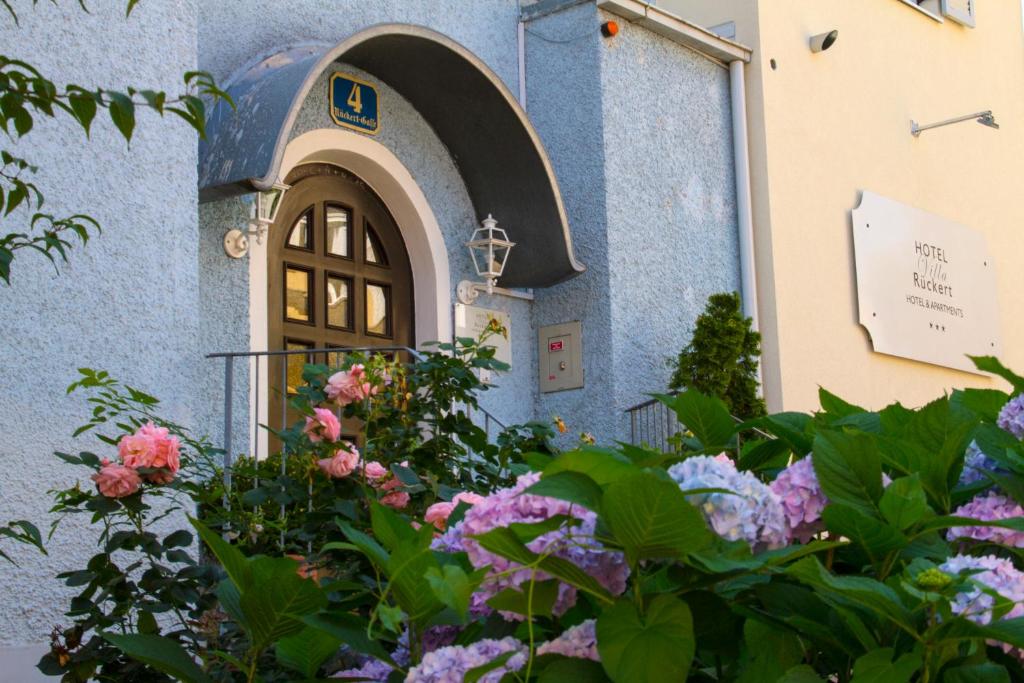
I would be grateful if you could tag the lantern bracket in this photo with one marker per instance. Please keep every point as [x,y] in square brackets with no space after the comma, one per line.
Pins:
[467,292]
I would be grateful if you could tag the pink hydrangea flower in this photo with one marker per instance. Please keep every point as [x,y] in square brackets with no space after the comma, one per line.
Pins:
[116,481]
[802,500]
[450,664]
[324,425]
[349,386]
[990,506]
[574,543]
[152,447]
[580,642]
[996,574]
[344,461]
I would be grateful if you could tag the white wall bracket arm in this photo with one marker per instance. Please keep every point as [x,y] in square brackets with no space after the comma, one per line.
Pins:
[467,292]
[985,118]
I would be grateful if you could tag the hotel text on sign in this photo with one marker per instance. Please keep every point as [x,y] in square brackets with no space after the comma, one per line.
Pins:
[354,103]
[926,286]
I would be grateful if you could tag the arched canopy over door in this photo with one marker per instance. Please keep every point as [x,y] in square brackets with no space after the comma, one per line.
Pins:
[499,155]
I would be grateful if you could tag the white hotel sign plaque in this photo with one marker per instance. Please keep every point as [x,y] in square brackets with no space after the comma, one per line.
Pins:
[926,286]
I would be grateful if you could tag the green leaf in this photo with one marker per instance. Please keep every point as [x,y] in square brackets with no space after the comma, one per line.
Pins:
[720,563]
[800,674]
[849,469]
[791,427]
[904,504]
[389,528]
[977,673]
[147,623]
[574,487]
[655,646]
[602,466]
[573,669]
[84,107]
[762,454]
[651,518]
[986,403]
[545,593]
[351,630]
[154,99]
[230,557]
[453,586]
[307,650]
[178,539]
[503,541]
[161,653]
[410,562]
[861,591]
[122,113]
[369,547]
[835,406]
[277,599]
[771,652]
[877,667]
[707,417]
[992,364]
[876,538]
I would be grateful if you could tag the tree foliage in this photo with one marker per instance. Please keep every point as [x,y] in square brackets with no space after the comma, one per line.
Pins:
[722,357]
[27,95]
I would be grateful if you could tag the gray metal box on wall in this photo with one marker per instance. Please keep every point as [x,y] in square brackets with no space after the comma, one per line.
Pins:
[560,357]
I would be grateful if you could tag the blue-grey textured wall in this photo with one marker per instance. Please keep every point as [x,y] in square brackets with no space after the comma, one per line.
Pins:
[670,197]
[127,302]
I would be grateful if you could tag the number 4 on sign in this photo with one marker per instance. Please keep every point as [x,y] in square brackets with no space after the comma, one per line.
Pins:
[355,99]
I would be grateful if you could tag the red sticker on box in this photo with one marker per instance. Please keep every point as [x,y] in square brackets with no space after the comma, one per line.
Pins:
[554,346]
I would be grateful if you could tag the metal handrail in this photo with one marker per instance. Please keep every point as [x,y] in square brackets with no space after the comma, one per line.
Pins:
[667,429]
[229,370]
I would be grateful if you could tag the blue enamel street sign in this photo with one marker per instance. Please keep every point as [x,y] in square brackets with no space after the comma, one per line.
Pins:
[354,104]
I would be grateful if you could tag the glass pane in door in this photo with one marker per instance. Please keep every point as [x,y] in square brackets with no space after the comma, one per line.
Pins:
[338,240]
[378,319]
[338,302]
[298,285]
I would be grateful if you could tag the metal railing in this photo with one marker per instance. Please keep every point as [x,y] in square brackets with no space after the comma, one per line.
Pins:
[258,365]
[653,423]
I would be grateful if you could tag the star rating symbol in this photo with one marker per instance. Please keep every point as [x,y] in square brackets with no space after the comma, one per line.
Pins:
[937,327]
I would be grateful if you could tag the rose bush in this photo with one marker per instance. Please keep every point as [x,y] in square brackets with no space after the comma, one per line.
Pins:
[847,545]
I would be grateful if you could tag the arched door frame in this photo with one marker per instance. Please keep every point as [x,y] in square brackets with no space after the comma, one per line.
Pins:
[394,184]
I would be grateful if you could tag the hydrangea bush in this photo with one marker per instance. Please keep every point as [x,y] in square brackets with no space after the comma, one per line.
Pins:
[847,545]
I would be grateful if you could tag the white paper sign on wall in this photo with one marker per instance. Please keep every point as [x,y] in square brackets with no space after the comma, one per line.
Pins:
[471,321]
[926,286]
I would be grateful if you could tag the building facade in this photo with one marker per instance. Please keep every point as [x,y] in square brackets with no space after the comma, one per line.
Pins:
[609,161]
[827,127]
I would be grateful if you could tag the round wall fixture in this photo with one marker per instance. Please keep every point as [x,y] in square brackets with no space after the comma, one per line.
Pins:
[236,243]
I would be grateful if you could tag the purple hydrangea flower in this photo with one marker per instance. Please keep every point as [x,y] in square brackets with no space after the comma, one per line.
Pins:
[752,512]
[1011,417]
[990,506]
[450,664]
[580,641]
[802,499]
[573,543]
[997,574]
[371,670]
[976,463]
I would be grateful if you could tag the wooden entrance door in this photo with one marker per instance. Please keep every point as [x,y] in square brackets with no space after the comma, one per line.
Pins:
[338,274]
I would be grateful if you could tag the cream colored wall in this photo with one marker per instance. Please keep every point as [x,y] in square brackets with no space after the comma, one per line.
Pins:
[825,127]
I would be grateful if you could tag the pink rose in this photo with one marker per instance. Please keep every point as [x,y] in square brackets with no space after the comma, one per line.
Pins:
[342,464]
[467,498]
[374,471]
[437,514]
[396,499]
[116,481]
[323,425]
[152,447]
[349,386]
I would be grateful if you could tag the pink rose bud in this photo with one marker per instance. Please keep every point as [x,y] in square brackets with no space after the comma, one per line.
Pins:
[374,471]
[349,386]
[116,481]
[342,464]
[323,425]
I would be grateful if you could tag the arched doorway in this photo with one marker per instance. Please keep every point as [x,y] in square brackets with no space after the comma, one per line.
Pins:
[338,273]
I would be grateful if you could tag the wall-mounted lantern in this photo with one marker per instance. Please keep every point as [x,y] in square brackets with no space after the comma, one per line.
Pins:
[263,208]
[489,247]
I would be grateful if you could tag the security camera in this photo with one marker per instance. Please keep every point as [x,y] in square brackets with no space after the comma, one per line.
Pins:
[823,41]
